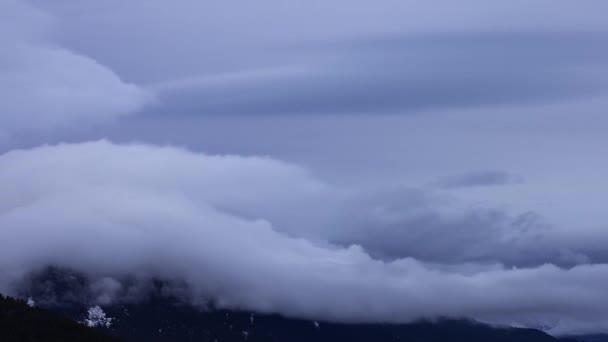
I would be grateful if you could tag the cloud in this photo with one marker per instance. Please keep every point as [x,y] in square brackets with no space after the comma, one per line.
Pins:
[45,86]
[265,234]
[214,223]
[482,178]
[406,74]
[202,38]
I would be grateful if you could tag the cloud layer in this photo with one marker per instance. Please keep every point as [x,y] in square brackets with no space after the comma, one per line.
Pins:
[410,224]
[406,74]
[45,86]
[215,222]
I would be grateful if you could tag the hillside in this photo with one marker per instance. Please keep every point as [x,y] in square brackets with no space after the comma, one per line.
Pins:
[158,316]
[162,321]
[22,323]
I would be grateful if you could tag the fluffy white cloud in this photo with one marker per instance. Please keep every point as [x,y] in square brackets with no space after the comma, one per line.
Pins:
[45,86]
[121,210]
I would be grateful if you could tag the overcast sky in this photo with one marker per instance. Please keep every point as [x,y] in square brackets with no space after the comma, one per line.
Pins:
[382,161]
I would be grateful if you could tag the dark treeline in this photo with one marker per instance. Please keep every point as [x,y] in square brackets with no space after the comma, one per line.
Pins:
[159,316]
[21,323]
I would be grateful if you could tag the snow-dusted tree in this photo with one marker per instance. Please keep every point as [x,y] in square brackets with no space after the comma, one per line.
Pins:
[97,318]
[30,302]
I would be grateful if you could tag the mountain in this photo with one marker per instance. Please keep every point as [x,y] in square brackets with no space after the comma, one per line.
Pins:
[592,338]
[159,316]
[159,320]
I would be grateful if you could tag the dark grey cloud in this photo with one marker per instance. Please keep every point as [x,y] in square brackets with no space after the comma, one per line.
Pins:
[397,223]
[480,178]
[407,74]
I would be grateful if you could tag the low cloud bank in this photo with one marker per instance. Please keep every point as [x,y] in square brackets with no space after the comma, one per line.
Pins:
[260,234]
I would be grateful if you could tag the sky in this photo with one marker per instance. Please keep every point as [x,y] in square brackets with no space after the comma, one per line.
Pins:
[334,160]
